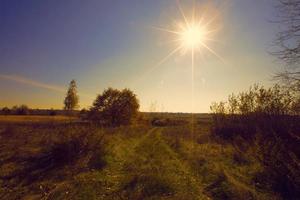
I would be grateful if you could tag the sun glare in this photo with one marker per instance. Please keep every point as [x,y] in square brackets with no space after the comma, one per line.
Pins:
[193,36]
[195,31]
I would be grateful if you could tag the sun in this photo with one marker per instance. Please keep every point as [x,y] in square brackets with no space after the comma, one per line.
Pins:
[193,36]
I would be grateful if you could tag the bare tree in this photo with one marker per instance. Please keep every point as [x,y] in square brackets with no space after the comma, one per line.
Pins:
[288,42]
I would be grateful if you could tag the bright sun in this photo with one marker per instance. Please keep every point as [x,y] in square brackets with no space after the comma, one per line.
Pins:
[195,33]
[193,36]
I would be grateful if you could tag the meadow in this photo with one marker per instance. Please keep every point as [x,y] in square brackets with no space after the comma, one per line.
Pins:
[92,139]
[69,159]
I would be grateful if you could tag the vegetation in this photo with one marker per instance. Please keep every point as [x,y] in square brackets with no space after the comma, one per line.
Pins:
[6,110]
[248,148]
[86,161]
[19,110]
[115,107]
[266,122]
[72,99]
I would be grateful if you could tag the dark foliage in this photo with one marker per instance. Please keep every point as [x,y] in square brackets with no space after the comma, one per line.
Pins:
[82,151]
[145,186]
[219,189]
[6,111]
[52,112]
[115,107]
[267,118]
[71,149]
[20,110]
[167,122]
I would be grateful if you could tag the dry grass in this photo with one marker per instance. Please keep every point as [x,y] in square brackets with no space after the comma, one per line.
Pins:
[10,119]
[64,161]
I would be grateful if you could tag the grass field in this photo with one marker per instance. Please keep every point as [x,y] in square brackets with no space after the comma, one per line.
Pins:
[5,119]
[72,161]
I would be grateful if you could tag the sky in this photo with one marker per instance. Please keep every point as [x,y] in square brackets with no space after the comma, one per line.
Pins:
[103,43]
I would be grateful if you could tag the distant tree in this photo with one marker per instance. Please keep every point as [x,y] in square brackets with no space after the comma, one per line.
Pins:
[52,112]
[72,99]
[114,107]
[83,113]
[288,42]
[5,110]
[21,110]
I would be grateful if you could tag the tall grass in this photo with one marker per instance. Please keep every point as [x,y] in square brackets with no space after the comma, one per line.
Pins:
[266,121]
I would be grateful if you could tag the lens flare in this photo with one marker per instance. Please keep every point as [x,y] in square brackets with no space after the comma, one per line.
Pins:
[195,33]
[193,36]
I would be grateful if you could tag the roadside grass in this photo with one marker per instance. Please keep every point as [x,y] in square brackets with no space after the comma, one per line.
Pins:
[36,160]
[222,170]
[13,119]
[104,183]
[83,161]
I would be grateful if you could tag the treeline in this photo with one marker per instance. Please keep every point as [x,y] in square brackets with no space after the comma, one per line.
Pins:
[111,108]
[265,122]
[25,110]
[276,100]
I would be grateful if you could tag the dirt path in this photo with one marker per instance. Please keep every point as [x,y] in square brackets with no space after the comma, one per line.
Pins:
[152,170]
[139,167]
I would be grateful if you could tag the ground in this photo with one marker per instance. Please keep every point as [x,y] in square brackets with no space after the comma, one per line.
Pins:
[67,160]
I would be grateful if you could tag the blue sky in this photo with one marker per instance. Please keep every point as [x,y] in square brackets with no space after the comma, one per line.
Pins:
[45,44]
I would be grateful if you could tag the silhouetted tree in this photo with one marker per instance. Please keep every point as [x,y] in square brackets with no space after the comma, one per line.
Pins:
[259,100]
[72,99]
[21,110]
[83,113]
[5,110]
[115,107]
[288,42]
[52,112]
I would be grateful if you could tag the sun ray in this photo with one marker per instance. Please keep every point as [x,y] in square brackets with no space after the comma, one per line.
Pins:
[167,57]
[166,30]
[171,41]
[192,35]
[213,18]
[182,13]
[213,52]
[159,63]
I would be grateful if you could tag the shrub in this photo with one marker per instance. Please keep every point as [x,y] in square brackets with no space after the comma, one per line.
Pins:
[52,112]
[115,107]
[239,158]
[167,122]
[219,188]
[83,114]
[70,149]
[146,186]
[21,110]
[268,119]
[5,111]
